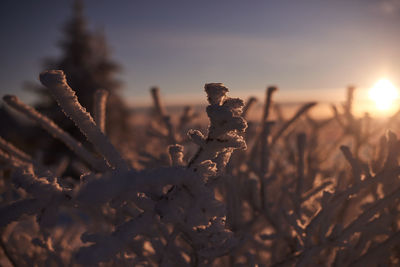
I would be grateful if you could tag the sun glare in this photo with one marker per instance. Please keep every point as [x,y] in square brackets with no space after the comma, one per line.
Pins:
[384,94]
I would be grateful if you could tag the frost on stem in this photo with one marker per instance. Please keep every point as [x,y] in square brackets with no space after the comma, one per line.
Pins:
[55,80]
[226,123]
[100,103]
[12,160]
[44,198]
[55,131]
[215,93]
[223,112]
[176,154]
[14,151]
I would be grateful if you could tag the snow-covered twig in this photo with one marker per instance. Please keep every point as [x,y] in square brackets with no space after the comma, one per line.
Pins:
[56,82]
[56,131]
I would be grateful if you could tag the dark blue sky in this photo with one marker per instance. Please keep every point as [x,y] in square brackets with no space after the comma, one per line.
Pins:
[310,49]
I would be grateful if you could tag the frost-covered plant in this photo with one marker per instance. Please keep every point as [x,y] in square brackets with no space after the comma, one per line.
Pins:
[306,192]
[166,216]
[293,204]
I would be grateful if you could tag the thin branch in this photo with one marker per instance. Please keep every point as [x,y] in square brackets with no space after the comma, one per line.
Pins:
[56,81]
[100,103]
[56,131]
[284,127]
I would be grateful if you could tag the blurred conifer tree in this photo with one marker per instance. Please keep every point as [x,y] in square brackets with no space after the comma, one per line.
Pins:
[86,63]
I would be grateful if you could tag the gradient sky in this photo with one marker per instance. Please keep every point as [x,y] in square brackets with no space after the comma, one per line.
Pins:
[310,49]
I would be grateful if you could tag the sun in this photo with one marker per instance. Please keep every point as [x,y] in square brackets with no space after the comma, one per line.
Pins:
[384,94]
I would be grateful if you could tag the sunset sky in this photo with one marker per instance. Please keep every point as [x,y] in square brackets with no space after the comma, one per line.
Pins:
[310,49]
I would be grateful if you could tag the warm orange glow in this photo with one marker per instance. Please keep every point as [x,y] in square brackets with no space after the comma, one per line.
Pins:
[384,94]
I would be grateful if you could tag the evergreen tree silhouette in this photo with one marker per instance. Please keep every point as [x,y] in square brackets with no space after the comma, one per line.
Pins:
[86,63]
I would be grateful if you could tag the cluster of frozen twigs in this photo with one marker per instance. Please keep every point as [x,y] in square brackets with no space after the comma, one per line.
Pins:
[287,200]
[116,215]
[292,204]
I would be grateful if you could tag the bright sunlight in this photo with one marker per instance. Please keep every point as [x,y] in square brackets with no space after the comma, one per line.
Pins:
[383,93]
